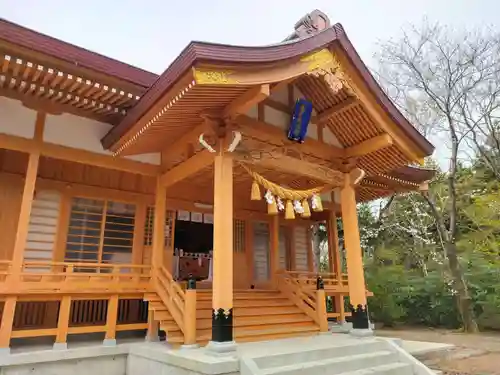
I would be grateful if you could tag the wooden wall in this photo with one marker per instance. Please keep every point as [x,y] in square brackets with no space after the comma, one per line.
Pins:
[11,190]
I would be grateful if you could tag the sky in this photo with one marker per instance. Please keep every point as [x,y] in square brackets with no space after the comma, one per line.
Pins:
[151,33]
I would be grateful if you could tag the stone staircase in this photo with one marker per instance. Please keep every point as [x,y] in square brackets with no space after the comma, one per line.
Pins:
[258,315]
[343,357]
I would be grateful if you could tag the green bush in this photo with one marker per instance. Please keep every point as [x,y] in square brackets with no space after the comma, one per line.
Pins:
[405,297]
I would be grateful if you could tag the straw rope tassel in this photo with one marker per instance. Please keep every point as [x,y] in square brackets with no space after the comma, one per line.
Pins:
[289,211]
[319,205]
[255,195]
[272,208]
[305,207]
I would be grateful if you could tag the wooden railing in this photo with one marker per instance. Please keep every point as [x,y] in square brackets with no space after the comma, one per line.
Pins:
[60,277]
[57,299]
[180,303]
[300,294]
[332,281]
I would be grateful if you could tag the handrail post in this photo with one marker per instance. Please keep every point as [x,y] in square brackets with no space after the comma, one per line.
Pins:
[190,312]
[321,305]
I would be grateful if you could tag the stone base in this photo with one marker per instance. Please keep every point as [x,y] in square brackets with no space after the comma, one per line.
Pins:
[155,338]
[361,332]
[191,346]
[60,346]
[109,342]
[4,351]
[221,348]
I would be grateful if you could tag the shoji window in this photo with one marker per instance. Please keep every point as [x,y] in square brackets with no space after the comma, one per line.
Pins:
[100,231]
[42,228]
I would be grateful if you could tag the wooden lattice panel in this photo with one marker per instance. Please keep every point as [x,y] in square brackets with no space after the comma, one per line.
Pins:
[100,231]
[239,236]
[169,227]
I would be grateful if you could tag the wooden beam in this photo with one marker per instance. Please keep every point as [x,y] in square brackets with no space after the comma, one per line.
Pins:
[187,168]
[335,110]
[276,136]
[369,146]
[179,146]
[240,105]
[243,103]
[294,166]
[376,111]
[11,142]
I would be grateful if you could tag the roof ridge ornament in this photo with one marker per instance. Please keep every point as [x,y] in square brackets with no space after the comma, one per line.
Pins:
[311,23]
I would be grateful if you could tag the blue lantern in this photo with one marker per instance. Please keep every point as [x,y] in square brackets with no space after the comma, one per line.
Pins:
[300,120]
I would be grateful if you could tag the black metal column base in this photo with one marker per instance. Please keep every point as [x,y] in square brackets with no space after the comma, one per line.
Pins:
[359,317]
[222,325]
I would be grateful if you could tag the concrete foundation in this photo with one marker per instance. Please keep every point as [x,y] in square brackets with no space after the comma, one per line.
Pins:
[332,354]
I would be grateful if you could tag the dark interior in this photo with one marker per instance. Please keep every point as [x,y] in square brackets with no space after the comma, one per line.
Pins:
[193,237]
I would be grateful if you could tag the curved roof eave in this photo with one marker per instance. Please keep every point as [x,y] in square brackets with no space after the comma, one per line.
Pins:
[202,51]
[41,43]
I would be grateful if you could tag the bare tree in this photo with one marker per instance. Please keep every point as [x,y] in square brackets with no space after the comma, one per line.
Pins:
[448,83]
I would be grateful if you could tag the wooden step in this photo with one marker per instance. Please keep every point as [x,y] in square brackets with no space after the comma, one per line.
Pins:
[245,335]
[204,304]
[245,321]
[163,316]
[253,311]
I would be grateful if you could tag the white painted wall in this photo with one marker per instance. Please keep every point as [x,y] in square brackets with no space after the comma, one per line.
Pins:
[66,129]
[15,119]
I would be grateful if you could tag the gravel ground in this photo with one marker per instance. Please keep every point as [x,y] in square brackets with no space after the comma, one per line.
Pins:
[477,354]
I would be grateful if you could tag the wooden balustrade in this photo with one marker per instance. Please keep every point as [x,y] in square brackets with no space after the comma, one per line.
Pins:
[180,303]
[58,299]
[59,277]
[331,280]
[303,297]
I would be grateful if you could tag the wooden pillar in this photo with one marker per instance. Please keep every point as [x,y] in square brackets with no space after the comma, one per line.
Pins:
[153,327]
[293,256]
[310,249]
[190,313]
[274,248]
[111,320]
[9,310]
[159,225]
[24,214]
[139,228]
[354,256]
[249,250]
[333,245]
[334,260]
[321,305]
[63,323]
[222,298]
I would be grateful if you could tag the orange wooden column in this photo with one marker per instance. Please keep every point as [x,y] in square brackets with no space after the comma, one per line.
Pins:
[274,240]
[354,256]
[63,323]
[222,298]
[334,259]
[111,321]
[159,226]
[333,244]
[27,200]
[9,309]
